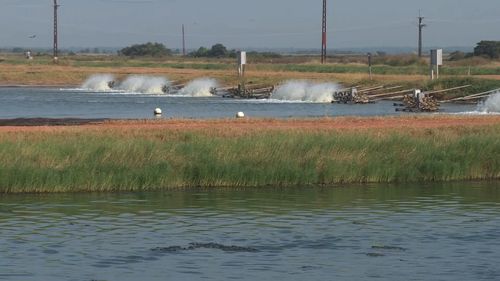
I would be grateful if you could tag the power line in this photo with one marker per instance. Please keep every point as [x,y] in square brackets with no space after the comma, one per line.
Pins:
[464,21]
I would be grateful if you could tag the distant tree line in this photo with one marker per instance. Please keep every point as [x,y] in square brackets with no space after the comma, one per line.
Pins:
[217,51]
[487,49]
[146,50]
[220,51]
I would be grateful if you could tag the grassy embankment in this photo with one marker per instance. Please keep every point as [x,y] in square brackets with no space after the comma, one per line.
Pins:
[146,157]
[406,71]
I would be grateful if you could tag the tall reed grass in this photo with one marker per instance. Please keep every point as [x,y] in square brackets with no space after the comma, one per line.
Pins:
[117,160]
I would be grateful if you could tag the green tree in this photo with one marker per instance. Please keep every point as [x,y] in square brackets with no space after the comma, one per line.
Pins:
[489,49]
[218,51]
[200,53]
[148,49]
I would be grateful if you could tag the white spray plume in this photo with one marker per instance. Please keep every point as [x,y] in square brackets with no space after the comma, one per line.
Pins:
[306,91]
[199,88]
[144,84]
[98,82]
[492,104]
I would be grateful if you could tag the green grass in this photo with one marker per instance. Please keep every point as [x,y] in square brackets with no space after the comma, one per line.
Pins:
[414,69]
[345,68]
[205,66]
[391,65]
[477,86]
[76,161]
[405,71]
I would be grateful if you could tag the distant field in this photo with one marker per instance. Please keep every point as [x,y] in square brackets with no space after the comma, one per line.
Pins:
[407,71]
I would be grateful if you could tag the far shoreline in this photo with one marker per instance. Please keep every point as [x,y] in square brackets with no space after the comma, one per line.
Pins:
[64,86]
[34,122]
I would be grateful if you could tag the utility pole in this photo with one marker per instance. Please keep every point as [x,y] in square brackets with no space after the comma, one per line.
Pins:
[323,38]
[55,31]
[421,26]
[183,41]
[370,65]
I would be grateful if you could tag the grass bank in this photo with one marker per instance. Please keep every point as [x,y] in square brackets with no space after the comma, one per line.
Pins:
[405,71]
[133,158]
[414,69]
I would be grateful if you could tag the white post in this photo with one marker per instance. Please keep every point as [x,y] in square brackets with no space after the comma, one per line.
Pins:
[436,60]
[242,61]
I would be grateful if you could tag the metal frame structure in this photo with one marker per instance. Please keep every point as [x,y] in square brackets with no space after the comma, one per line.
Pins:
[323,39]
[56,6]
[421,26]
[183,41]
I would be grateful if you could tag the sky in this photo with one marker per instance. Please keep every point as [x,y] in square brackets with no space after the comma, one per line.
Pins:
[248,23]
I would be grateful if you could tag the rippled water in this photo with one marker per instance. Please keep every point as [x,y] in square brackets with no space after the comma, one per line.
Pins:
[62,103]
[434,232]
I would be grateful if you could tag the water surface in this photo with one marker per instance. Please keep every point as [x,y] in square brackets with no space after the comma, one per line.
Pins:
[65,103]
[407,232]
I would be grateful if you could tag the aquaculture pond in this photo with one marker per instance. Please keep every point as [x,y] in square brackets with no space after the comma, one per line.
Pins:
[78,103]
[410,232]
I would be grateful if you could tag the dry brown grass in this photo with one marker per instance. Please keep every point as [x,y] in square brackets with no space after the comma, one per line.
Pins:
[70,75]
[72,71]
[247,126]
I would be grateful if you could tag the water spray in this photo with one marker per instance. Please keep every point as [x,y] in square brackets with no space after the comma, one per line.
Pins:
[306,91]
[203,87]
[99,83]
[491,105]
[144,84]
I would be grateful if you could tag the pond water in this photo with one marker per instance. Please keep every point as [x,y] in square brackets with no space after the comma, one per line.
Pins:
[77,103]
[406,232]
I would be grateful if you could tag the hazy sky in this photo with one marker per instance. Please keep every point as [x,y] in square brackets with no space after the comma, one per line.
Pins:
[249,23]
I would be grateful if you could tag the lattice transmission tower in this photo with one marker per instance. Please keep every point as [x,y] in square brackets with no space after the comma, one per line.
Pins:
[56,6]
[323,37]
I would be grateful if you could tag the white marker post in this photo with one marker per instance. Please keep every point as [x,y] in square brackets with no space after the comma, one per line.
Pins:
[436,60]
[242,62]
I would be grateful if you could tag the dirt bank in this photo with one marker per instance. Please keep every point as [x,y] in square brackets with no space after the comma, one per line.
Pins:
[340,123]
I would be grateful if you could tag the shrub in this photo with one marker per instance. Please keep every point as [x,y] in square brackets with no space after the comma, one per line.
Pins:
[148,49]
[489,49]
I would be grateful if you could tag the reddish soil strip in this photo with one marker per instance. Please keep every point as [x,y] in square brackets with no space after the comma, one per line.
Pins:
[340,123]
